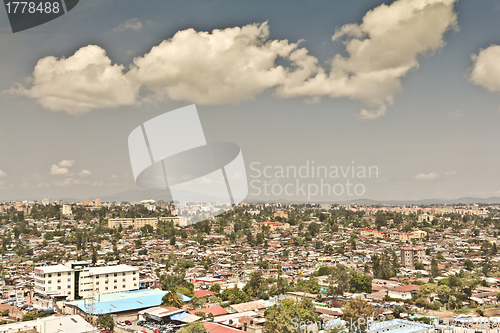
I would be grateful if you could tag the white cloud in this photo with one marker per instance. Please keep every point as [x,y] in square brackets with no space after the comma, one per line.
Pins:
[451,173]
[132,24]
[485,71]
[67,163]
[70,181]
[237,64]
[381,50]
[34,181]
[3,174]
[456,114]
[86,80]
[84,173]
[56,170]
[426,176]
[97,183]
[224,66]
[62,167]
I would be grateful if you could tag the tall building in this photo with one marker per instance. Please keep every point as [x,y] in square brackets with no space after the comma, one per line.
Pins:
[77,280]
[66,210]
[411,255]
[98,202]
[180,221]
[86,202]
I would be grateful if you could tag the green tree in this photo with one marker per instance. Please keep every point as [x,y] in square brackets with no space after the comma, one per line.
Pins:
[172,298]
[434,268]
[196,327]
[215,288]
[357,311]
[338,281]
[283,316]
[106,321]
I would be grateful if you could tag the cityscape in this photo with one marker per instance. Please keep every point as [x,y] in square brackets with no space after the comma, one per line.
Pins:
[264,166]
[137,266]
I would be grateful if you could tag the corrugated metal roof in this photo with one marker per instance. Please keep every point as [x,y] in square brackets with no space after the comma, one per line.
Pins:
[124,301]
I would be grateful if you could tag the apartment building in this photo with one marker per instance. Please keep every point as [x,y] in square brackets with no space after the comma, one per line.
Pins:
[411,255]
[180,221]
[136,223]
[105,280]
[55,280]
[78,281]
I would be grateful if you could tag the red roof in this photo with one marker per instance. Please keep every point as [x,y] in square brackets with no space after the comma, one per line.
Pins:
[203,293]
[215,310]
[216,328]
[407,287]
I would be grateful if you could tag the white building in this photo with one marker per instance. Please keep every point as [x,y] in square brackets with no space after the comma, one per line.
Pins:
[81,282]
[108,279]
[55,280]
[66,210]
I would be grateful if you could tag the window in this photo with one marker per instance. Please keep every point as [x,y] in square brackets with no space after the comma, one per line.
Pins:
[116,287]
[69,279]
[133,273]
[58,287]
[50,281]
[106,282]
[123,273]
[134,278]
[97,282]
[106,288]
[123,279]
[135,284]
[107,275]
[116,274]
[59,281]
[69,286]
[69,273]
[58,274]
[50,275]
[123,286]
[116,280]
[49,288]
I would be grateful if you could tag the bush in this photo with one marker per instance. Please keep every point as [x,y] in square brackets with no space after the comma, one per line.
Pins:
[437,304]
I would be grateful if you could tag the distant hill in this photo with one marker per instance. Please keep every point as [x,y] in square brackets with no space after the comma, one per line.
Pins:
[139,195]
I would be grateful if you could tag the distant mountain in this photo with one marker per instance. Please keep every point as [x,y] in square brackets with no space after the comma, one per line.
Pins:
[151,194]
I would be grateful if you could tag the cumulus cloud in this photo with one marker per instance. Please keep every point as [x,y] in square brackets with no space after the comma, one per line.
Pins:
[3,174]
[426,176]
[62,167]
[132,24]
[84,173]
[381,51]
[236,64]
[451,173]
[485,71]
[225,66]
[86,80]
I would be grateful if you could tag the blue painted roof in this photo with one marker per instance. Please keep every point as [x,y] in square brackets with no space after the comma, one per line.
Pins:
[179,316]
[124,301]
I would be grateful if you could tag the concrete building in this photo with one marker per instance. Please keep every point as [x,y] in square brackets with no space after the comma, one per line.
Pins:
[410,255]
[136,223]
[108,279]
[66,210]
[180,221]
[55,280]
[77,280]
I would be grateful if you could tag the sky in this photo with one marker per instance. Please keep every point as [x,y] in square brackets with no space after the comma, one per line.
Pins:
[410,88]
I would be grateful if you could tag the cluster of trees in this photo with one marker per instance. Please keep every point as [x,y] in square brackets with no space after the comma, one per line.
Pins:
[342,279]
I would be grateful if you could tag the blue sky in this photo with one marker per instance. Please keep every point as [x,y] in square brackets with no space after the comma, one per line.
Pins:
[431,129]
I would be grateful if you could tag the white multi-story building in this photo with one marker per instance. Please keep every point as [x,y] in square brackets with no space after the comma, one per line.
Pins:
[110,279]
[55,280]
[82,282]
